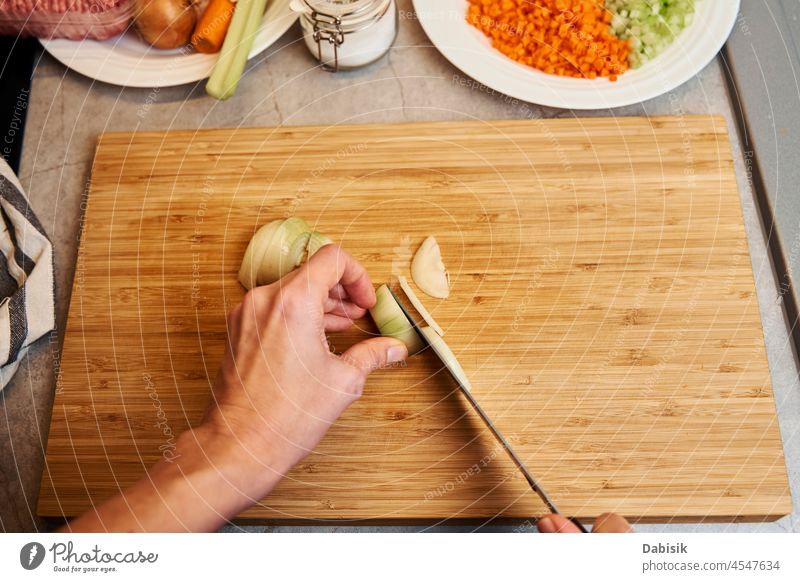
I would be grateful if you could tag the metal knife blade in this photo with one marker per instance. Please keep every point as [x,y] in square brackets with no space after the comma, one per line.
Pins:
[465,391]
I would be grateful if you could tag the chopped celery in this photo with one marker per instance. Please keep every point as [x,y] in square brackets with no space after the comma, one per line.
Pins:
[651,25]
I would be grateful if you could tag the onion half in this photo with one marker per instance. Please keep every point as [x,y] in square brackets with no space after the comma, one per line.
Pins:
[276,249]
[316,241]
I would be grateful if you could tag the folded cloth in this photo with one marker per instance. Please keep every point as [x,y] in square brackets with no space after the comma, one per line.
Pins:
[29,313]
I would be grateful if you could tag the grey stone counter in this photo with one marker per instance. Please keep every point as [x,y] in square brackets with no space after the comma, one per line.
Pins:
[67,112]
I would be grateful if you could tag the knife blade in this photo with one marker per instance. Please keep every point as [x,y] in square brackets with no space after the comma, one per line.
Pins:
[446,360]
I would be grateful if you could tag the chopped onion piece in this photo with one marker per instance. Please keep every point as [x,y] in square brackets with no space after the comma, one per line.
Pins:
[447,356]
[415,301]
[392,322]
[428,270]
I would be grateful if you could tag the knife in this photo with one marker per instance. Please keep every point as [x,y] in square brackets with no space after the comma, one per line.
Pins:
[456,372]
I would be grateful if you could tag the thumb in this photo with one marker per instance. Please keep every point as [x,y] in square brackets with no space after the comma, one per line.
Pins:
[372,354]
[611,523]
[555,523]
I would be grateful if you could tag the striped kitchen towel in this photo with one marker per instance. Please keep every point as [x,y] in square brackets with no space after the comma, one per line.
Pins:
[29,313]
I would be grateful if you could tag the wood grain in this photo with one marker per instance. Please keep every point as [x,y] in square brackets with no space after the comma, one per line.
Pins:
[603,304]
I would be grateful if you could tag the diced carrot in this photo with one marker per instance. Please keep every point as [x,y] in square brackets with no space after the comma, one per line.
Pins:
[563,37]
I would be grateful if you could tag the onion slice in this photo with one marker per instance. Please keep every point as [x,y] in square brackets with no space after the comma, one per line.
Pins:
[392,321]
[415,301]
[428,271]
[447,356]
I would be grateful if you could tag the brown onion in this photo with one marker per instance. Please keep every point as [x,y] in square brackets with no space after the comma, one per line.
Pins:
[165,24]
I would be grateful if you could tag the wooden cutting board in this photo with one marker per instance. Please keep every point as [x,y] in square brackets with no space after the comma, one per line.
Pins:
[603,304]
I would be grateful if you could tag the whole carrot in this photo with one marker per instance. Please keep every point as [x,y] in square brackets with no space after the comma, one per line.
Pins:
[209,34]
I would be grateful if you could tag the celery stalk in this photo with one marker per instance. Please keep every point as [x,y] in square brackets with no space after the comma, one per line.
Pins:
[236,48]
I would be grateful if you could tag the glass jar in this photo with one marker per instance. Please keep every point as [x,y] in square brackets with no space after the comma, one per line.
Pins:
[346,34]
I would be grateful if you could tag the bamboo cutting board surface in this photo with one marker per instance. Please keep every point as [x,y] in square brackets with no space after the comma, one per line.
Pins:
[603,304]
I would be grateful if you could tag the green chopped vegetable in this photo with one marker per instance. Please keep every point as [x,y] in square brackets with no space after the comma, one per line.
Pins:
[651,25]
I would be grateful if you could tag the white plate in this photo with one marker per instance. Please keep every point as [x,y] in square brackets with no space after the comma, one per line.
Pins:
[470,50]
[128,61]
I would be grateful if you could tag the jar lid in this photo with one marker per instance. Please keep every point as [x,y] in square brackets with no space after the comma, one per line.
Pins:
[343,8]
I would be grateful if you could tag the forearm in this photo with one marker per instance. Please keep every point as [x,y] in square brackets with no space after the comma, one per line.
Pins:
[209,481]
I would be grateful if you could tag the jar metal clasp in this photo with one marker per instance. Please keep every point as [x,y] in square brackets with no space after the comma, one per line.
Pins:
[328,29]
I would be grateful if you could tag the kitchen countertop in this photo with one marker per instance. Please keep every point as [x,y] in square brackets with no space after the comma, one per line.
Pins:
[67,112]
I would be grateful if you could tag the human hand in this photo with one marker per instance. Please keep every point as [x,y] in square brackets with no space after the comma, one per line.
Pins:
[279,387]
[606,523]
[278,390]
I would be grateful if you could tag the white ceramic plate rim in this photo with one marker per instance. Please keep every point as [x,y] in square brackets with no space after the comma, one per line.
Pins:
[471,51]
[127,61]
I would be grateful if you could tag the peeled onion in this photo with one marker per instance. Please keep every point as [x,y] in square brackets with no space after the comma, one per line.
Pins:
[428,272]
[276,249]
[316,241]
